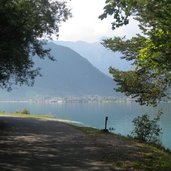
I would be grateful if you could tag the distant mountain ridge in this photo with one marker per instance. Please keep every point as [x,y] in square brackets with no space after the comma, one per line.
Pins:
[98,55]
[69,75]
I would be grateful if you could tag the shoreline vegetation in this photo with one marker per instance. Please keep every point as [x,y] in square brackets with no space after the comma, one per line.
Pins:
[26,114]
[149,156]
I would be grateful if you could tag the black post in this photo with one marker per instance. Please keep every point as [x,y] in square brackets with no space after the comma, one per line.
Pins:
[106,123]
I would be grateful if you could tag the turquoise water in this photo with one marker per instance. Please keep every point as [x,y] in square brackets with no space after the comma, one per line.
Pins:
[120,114]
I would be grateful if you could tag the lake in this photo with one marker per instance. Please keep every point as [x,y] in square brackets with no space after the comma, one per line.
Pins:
[120,114]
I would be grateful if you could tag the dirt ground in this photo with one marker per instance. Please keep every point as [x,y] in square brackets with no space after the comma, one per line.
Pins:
[28,144]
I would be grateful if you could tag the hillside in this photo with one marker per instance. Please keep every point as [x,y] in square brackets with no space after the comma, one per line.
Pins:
[69,75]
[98,55]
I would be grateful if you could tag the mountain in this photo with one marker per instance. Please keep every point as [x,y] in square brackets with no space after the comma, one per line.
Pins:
[69,75]
[99,56]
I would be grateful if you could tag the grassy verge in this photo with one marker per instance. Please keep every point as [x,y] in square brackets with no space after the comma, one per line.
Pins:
[145,157]
[26,115]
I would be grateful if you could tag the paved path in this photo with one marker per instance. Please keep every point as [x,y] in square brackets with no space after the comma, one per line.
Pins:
[40,145]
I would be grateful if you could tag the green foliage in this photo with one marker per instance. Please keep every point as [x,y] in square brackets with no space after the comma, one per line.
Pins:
[147,129]
[139,84]
[24,111]
[150,52]
[24,26]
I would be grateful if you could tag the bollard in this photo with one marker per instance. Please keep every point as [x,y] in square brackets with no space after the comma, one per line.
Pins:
[106,119]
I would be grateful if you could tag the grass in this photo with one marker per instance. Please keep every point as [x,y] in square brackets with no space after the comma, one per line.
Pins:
[157,158]
[148,156]
[25,113]
[153,159]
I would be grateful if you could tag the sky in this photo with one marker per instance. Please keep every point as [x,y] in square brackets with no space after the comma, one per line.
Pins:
[85,25]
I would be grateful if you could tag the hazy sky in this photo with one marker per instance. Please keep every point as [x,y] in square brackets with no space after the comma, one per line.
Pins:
[85,25]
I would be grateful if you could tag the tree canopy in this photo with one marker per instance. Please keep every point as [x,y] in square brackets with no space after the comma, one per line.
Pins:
[150,52]
[24,26]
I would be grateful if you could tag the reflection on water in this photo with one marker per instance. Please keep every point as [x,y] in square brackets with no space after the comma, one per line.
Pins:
[93,114]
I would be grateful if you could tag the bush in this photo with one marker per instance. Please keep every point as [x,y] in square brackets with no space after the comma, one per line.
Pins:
[25,111]
[146,129]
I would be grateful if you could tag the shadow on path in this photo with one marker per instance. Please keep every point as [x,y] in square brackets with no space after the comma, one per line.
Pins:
[40,145]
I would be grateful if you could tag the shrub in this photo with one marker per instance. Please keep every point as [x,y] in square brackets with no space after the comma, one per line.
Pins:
[25,111]
[146,129]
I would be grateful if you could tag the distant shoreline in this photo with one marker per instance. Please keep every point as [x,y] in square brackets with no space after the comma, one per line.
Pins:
[72,99]
[79,100]
[14,101]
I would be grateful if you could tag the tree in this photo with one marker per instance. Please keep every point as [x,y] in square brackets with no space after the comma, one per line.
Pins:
[150,52]
[147,129]
[24,26]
